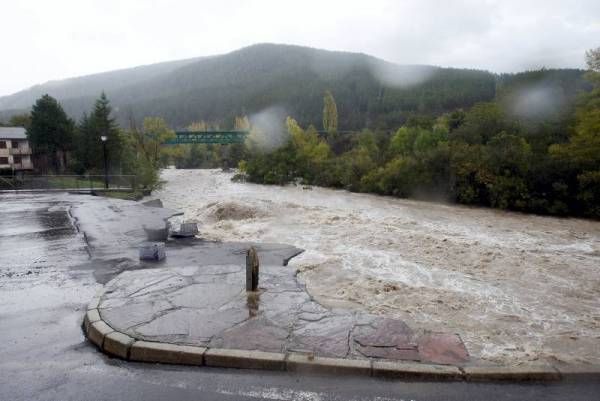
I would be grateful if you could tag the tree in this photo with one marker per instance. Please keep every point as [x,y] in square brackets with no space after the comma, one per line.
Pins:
[144,154]
[20,120]
[482,122]
[592,59]
[241,123]
[103,124]
[582,152]
[51,131]
[86,146]
[307,142]
[89,149]
[330,114]
[155,133]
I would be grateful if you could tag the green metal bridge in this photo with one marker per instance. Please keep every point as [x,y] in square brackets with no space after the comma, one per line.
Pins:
[219,137]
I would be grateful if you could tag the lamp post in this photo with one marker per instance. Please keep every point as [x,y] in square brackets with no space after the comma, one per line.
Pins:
[103,138]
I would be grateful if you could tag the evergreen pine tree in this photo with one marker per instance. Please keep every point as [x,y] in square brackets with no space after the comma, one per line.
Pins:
[100,123]
[51,132]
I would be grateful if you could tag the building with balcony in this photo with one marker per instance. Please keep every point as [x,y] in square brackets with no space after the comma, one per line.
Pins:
[15,152]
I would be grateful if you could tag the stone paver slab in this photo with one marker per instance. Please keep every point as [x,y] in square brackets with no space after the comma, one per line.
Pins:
[442,348]
[405,354]
[145,351]
[385,333]
[255,334]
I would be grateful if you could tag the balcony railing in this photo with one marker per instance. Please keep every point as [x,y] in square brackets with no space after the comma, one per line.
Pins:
[19,151]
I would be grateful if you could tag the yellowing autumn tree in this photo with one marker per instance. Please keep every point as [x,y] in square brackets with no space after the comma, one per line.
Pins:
[330,114]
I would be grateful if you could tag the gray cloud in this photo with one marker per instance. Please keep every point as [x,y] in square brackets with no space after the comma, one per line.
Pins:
[45,40]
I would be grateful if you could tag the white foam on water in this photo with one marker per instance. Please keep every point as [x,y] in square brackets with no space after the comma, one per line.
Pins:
[513,285]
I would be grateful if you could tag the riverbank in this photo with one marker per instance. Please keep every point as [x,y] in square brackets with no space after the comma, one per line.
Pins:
[517,288]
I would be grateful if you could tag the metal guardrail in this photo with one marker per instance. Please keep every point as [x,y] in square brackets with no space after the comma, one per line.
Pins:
[68,182]
[219,137]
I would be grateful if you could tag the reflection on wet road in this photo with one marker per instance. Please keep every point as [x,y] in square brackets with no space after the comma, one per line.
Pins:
[36,233]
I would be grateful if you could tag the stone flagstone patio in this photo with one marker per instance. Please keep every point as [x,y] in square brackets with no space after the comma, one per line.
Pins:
[187,302]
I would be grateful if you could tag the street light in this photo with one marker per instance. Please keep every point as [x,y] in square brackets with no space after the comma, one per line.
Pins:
[103,138]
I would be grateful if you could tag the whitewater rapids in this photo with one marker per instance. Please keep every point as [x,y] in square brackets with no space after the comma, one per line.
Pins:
[517,288]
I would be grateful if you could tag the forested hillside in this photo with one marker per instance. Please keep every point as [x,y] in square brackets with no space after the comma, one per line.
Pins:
[535,148]
[370,92]
[90,86]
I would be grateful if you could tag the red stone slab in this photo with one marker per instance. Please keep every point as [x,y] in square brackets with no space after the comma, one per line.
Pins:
[254,334]
[442,348]
[406,354]
[384,333]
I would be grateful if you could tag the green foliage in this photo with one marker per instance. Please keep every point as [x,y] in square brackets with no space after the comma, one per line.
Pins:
[592,59]
[89,151]
[581,154]
[50,131]
[154,133]
[589,192]
[485,155]
[20,120]
[330,114]
[481,123]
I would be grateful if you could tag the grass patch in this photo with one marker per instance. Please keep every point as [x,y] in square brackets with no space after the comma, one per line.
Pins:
[73,183]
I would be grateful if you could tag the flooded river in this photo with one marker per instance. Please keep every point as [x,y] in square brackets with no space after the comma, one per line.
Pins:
[517,288]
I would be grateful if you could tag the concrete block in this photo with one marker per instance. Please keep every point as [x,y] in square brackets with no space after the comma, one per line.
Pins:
[415,370]
[241,359]
[154,251]
[145,351]
[153,203]
[117,344]
[97,331]
[186,229]
[512,373]
[91,316]
[306,364]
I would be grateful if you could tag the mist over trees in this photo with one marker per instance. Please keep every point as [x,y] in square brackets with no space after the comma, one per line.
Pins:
[542,156]
[370,92]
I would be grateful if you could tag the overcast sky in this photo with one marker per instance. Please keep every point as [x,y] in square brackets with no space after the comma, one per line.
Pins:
[54,39]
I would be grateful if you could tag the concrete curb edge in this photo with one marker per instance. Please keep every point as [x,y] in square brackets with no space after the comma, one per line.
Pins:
[128,348]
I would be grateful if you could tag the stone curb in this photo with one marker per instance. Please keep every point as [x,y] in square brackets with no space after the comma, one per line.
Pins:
[233,358]
[415,370]
[511,373]
[145,351]
[125,347]
[308,364]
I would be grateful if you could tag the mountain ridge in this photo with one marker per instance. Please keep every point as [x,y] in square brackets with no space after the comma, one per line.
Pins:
[370,92]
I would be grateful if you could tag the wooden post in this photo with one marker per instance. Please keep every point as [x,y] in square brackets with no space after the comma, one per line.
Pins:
[252,267]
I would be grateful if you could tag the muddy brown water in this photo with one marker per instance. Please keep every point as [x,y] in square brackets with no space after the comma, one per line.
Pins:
[517,288]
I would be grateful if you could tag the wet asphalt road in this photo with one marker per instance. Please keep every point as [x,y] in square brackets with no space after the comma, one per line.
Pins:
[46,280]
